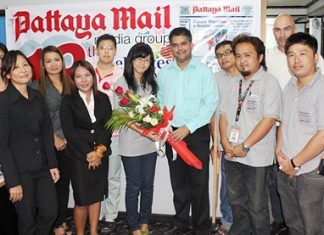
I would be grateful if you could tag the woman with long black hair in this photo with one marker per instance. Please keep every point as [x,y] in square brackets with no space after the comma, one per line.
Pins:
[138,152]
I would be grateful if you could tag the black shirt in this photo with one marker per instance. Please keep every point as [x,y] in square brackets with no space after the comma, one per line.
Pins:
[26,134]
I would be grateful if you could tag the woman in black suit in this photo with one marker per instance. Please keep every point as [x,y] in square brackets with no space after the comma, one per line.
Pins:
[83,116]
[27,148]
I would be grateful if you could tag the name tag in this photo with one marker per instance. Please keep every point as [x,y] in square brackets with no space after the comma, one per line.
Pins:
[234,135]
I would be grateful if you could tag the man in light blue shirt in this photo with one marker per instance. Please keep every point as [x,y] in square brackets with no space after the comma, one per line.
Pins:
[190,86]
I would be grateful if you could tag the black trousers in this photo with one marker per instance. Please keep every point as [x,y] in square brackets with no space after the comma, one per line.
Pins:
[37,211]
[62,187]
[8,221]
[189,185]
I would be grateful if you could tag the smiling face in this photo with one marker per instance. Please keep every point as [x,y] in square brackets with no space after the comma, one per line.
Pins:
[247,60]
[302,60]
[83,80]
[53,63]
[181,48]
[21,73]
[106,51]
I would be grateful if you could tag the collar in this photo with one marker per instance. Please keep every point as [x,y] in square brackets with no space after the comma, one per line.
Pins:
[83,95]
[15,95]
[317,75]
[193,63]
[257,76]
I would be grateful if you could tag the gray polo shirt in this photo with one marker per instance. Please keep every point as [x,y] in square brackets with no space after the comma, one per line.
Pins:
[263,100]
[302,117]
[132,144]
[223,84]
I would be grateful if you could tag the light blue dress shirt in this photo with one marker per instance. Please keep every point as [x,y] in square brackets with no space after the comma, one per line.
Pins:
[193,92]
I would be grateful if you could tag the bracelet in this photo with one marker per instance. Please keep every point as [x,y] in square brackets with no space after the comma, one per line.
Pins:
[100,150]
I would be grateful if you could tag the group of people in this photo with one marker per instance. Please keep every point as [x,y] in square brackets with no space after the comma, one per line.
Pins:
[270,126]
[53,133]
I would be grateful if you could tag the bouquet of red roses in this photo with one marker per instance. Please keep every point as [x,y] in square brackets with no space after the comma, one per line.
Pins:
[146,113]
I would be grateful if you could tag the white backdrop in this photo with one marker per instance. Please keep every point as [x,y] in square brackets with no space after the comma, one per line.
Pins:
[32,27]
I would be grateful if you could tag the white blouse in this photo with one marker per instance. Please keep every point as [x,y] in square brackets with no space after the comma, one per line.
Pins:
[89,106]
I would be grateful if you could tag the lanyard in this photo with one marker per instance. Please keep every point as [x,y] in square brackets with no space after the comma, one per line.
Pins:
[241,99]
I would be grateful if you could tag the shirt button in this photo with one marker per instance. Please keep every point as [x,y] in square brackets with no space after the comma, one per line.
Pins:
[37,152]
[92,131]
[36,139]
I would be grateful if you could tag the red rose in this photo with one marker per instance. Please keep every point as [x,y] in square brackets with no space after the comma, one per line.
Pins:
[119,90]
[127,93]
[154,109]
[124,101]
[106,86]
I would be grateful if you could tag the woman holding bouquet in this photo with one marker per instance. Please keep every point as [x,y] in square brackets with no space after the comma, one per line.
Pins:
[83,114]
[138,152]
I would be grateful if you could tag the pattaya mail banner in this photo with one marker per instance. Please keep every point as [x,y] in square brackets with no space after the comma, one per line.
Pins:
[74,28]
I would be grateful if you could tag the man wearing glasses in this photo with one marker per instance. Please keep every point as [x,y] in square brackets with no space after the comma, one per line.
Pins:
[226,60]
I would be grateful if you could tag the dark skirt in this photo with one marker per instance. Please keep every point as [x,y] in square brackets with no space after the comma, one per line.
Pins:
[89,185]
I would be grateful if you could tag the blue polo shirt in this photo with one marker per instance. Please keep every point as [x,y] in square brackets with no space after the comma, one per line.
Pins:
[192,91]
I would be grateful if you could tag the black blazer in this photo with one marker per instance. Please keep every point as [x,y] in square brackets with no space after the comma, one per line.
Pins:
[81,134]
[26,134]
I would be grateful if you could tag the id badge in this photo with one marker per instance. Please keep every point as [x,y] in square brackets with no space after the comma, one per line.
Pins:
[234,135]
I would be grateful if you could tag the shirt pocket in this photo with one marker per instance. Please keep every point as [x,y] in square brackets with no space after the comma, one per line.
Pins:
[252,103]
[306,119]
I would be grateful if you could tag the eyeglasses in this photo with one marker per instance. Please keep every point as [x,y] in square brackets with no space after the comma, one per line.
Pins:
[142,60]
[108,48]
[221,55]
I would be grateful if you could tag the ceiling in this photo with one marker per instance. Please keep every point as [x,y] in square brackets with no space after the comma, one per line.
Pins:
[312,7]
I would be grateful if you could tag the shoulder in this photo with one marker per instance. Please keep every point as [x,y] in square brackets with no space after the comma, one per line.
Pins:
[166,68]
[4,99]
[68,99]
[101,95]
[35,92]
[34,84]
[320,82]
[270,81]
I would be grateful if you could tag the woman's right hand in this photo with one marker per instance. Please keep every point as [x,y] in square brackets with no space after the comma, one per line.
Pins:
[16,193]
[60,143]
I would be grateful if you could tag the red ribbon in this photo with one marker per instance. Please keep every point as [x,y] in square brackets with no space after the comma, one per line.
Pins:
[180,147]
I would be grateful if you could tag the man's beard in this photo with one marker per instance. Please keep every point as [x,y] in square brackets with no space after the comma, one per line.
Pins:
[245,73]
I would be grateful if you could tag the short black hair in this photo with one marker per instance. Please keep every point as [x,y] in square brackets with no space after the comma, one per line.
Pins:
[180,31]
[223,43]
[9,61]
[302,38]
[106,36]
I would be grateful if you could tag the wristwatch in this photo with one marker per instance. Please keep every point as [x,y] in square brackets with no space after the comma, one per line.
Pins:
[245,148]
[294,165]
